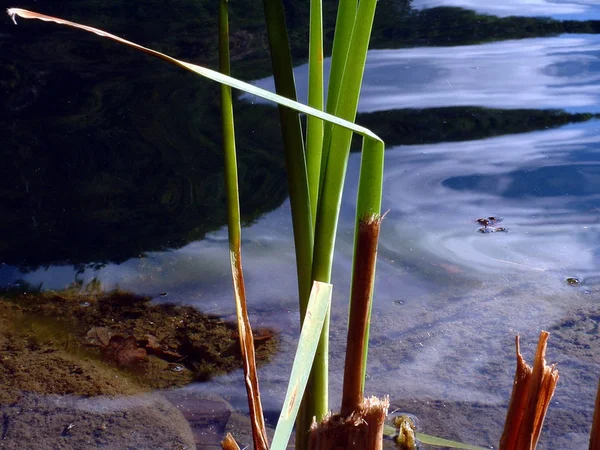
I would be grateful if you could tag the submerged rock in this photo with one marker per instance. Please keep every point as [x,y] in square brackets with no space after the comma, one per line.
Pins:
[573,281]
[49,422]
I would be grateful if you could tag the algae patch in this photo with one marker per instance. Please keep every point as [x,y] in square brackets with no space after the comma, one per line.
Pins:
[111,343]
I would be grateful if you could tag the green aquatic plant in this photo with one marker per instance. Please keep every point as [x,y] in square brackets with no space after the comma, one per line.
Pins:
[325,221]
[316,183]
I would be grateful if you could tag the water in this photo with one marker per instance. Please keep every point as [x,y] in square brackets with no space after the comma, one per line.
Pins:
[559,9]
[135,203]
[539,73]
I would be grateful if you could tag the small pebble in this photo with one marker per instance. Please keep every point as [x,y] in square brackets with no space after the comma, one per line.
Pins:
[573,281]
[175,367]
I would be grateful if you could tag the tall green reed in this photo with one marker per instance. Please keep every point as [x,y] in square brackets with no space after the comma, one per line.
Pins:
[234,229]
[327,153]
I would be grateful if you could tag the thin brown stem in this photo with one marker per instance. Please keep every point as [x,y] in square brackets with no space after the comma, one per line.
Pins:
[360,307]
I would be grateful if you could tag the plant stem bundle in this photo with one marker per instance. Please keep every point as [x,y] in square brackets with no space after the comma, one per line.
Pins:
[532,390]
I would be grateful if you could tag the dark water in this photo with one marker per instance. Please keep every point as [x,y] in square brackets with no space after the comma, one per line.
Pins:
[112,170]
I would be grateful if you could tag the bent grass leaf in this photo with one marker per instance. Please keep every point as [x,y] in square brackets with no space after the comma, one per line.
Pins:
[440,442]
[203,71]
[435,441]
[318,305]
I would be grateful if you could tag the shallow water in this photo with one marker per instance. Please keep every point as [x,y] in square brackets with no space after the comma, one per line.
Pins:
[449,299]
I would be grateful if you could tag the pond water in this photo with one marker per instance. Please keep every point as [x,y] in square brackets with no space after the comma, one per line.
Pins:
[539,73]
[558,9]
[515,136]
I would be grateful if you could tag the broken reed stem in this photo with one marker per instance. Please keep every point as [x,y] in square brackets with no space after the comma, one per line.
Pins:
[259,433]
[360,310]
[362,430]
[229,443]
[532,391]
[595,433]
[516,407]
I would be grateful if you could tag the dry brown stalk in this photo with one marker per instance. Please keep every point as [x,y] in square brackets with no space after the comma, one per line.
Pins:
[362,289]
[259,431]
[363,429]
[229,443]
[359,425]
[532,390]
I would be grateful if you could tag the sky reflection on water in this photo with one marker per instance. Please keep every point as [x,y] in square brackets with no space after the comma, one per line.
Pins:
[552,230]
[561,9]
[559,72]
[430,252]
[446,295]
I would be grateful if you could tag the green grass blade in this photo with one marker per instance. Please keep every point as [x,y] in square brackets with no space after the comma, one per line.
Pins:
[439,442]
[234,229]
[335,172]
[368,204]
[293,145]
[314,126]
[391,431]
[314,149]
[231,178]
[318,305]
[341,43]
[370,184]
[344,25]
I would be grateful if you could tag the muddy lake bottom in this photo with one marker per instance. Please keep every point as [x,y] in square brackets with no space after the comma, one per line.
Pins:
[83,370]
[94,370]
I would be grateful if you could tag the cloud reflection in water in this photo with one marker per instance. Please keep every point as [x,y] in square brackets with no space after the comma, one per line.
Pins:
[527,73]
[490,287]
[561,9]
[550,231]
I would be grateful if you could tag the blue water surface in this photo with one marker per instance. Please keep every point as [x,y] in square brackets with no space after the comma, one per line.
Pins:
[558,9]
